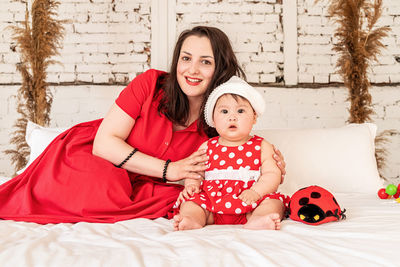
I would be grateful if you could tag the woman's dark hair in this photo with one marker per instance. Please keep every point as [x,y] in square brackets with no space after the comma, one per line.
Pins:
[174,103]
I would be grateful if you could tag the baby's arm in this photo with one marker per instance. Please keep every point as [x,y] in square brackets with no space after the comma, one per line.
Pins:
[269,179]
[193,185]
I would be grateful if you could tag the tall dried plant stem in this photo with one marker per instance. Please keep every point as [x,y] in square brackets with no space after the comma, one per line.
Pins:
[36,42]
[358,45]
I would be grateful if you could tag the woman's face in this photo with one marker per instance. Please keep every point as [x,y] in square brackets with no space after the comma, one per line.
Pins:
[196,66]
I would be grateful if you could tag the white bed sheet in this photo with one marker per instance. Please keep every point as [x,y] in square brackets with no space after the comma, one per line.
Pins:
[368,237]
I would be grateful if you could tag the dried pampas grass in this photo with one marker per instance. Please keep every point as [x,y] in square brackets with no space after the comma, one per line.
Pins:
[358,45]
[37,40]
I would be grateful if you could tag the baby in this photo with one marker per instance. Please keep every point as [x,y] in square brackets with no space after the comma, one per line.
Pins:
[242,177]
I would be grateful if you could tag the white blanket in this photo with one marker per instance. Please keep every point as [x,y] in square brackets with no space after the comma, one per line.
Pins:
[368,237]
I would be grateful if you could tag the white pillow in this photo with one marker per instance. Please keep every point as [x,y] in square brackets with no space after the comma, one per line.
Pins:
[38,138]
[338,159]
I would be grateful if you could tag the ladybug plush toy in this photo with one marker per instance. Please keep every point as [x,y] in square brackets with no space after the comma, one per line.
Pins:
[314,205]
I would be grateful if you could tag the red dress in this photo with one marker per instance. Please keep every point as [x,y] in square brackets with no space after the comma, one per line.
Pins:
[231,170]
[66,183]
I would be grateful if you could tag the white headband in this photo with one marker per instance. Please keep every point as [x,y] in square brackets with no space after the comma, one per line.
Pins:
[237,86]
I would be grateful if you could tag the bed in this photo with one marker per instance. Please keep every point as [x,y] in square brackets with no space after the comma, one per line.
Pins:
[340,160]
[368,237]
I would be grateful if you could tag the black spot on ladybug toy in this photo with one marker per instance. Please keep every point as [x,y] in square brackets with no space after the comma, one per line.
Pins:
[314,205]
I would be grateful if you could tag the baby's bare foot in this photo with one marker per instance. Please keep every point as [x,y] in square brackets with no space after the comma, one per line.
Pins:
[185,223]
[267,222]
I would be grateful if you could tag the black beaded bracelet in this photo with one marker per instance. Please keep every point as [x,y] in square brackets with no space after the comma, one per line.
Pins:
[127,158]
[164,173]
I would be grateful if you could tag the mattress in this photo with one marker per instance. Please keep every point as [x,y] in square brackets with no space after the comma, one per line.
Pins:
[368,237]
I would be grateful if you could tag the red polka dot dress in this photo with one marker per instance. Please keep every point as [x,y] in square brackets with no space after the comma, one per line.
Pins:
[231,170]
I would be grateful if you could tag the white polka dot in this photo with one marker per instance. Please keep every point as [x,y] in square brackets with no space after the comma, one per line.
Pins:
[219,200]
[213,194]
[247,167]
[249,143]
[219,194]
[220,212]
[240,148]
[213,141]
[203,206]
[228,205]
[254,205]
[216,156]
[224,149]
[244,204]
[222,162]
[256,161]
[231,155]
[217,145]
[257,147]
[229,190]
[230,168]
[238,211]
[212,208]
[248,154]
[210,151]
[220,186]
[236,183]
[239,161]
[234,196]
[217,182]
[225,182]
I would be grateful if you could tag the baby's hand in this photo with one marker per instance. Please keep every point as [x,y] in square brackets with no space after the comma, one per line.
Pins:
[190,189]
[249,196]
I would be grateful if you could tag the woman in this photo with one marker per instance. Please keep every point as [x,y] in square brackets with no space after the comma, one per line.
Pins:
[109,170]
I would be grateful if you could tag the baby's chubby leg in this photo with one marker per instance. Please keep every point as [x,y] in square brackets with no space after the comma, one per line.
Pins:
[267,216]
[191,216]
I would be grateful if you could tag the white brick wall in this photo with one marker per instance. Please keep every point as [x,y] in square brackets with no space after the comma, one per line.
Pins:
[108,42]
[105,41]
[317,61]
[253,26]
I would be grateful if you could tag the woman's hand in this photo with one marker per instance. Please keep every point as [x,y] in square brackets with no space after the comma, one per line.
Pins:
[191,167]
[280,162]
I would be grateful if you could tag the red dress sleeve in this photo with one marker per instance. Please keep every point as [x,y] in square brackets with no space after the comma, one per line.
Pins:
[132,98]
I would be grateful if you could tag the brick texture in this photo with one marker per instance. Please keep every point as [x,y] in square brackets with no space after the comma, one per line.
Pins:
[317,60]
[254,28]
[108,42]
[105,42]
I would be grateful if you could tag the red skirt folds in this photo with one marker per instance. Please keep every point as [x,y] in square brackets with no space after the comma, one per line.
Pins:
[66,183]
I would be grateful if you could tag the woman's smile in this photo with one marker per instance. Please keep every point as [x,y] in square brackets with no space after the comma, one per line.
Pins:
[193,81]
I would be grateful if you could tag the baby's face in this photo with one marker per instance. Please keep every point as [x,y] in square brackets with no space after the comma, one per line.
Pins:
[234,118]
